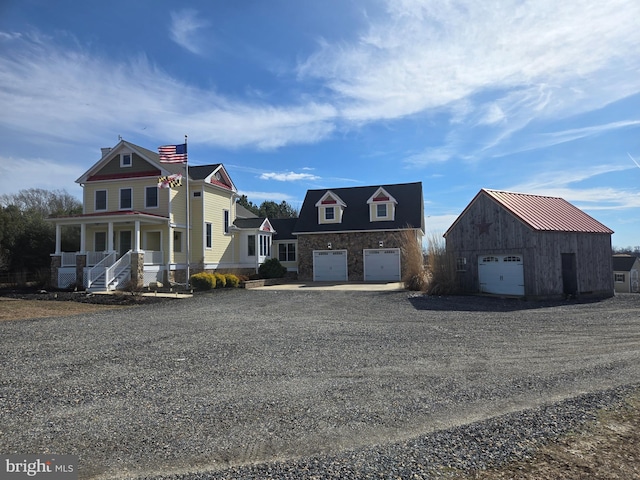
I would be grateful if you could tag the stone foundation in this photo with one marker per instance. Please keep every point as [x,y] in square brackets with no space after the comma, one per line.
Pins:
[56,262]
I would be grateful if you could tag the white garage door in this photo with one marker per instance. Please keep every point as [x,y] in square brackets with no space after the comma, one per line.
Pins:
[330,265]
[501,274]
[382,265]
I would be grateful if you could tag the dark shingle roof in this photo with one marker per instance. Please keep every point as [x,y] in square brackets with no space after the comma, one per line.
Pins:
[284,228]
[623,263]
[200,172]
[409,210]
[248,222]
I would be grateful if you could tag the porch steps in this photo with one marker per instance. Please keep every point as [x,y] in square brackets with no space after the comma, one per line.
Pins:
[99,284]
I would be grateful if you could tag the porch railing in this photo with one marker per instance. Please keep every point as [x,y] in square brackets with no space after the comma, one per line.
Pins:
[68,259]
[153,257]
[94,258]
[117,268]
[99,268]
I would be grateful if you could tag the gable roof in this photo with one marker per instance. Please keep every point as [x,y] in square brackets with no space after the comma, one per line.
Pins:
[263,224]
[541,213]
[623,263]
[196,172]
[409,211]
[242,212]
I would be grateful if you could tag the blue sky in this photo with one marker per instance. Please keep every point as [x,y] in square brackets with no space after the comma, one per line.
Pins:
[537,97]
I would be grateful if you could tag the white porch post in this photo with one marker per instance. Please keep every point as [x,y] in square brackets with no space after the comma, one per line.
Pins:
[83,240]
[58,239]
[110,247]
[137,235]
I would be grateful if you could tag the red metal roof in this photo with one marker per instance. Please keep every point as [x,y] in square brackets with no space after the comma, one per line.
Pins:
[547,213]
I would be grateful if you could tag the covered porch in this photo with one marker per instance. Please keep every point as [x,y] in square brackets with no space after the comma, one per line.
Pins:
[117,250]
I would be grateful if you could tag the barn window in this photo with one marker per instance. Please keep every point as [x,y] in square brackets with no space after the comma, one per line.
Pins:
[461,264]
[490,259]
[512,259]
[618,277]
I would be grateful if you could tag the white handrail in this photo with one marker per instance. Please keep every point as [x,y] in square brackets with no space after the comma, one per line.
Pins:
[114,270]
[100,266]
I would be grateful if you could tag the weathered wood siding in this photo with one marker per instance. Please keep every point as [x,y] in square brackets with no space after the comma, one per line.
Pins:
[488,228]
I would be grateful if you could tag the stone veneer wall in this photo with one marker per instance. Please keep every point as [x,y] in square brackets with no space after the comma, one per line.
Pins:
[354,243]
[56,262]
[137,270]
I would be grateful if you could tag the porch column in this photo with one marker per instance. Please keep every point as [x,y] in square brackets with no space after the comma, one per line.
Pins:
[58,239]
[110,247]
[83,242]
[137,236]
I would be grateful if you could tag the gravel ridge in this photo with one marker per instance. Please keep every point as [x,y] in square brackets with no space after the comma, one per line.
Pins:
[475,446]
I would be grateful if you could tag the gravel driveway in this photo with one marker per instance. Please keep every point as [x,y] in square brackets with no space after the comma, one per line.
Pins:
[236,377]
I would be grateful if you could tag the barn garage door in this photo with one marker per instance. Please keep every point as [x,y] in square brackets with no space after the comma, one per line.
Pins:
[501,274]
[330,265]
[382,265]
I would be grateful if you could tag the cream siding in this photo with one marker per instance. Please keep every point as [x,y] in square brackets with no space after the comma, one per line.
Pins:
[138,187]
[215,202]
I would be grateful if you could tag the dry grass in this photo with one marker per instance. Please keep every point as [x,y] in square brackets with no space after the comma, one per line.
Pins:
[606,449]
[414,275]
[441,267]
[18,309]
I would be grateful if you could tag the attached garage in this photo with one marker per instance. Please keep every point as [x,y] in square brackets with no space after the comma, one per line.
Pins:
[501,274]
[330,266]
[382,265]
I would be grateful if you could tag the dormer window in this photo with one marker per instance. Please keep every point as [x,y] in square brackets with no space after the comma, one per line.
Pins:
[382,206]
[125,160]
[330,208]
[329,213]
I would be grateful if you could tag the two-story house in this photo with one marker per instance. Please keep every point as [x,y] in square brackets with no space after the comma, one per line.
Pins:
[134,231]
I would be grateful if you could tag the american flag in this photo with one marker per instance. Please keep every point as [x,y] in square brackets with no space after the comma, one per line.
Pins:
[173,153]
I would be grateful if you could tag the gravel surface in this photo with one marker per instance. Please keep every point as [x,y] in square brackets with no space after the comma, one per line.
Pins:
[275,384]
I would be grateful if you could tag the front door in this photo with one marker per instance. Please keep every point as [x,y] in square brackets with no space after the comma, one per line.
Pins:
[124,243]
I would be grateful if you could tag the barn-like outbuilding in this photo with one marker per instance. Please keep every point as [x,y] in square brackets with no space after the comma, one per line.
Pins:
[532,246]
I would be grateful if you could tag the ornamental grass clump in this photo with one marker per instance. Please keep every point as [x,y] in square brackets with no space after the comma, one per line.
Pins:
[221,280]
[232,280]
[441,268]
[414,275]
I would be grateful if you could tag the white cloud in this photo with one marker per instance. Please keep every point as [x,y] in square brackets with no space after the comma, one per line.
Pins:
[185,25]
[65,93]
[507,62]
[19,173]
[288,176]
[259,197]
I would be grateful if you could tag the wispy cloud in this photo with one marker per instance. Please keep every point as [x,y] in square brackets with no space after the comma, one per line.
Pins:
[185,25]
[73,94]
[23,173]
[288,176]
[259,197]
[546,60]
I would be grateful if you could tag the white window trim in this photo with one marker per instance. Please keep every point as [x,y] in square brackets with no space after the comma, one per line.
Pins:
[332,209]
[120,198]
[122,156]
[157,205]
[106,200]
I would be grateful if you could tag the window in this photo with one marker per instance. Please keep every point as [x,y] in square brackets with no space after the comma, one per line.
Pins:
[251,250]
[177,242]
[126,198]
[490,259]
[208,232]
[461,264]
[618,277]
[125,160]
[101,200]
[100,242]
[329,213]
[151,197]
[287,252]
[381,210]
[512,259]
[226,221]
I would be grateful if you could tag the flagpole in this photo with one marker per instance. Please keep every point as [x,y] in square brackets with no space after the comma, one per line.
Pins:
[186,168]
